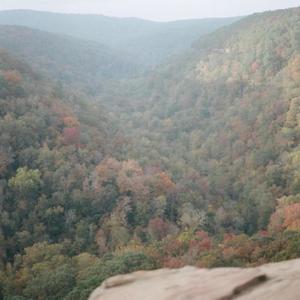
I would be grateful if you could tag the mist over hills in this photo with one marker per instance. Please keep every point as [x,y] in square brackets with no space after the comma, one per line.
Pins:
[66,59]
[147,41]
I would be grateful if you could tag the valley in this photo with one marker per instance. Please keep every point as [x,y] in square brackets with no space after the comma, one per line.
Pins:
[112,162]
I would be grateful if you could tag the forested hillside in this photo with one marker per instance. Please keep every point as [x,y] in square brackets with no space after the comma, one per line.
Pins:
[148,42]
[222,116]
[65,188]
[46,149]
[195,163]
[67,59]
[223,121]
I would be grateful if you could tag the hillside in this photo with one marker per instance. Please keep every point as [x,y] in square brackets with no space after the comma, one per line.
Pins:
[148,42]
[64,183]
[226,115]
[195,163]
[64,58]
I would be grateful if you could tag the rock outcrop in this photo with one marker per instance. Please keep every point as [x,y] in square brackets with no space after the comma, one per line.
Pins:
[278,281]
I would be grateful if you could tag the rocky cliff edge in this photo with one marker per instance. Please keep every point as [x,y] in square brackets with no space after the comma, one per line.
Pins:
[278,281]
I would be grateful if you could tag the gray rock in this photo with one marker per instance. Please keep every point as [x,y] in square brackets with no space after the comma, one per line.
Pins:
[280,281]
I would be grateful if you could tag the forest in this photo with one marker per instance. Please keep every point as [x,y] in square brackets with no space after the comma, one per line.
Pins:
[108,165]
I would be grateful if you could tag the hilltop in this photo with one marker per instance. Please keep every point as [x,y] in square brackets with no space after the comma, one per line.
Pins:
[66,59]
[147,41]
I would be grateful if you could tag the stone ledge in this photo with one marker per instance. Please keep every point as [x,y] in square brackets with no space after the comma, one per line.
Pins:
[279,281]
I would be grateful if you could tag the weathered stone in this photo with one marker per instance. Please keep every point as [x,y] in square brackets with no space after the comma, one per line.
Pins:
[280,281]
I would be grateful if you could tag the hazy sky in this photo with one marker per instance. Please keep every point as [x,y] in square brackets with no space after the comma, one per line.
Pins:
[153,9]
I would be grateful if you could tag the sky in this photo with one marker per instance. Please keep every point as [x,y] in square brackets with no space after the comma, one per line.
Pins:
[160,10]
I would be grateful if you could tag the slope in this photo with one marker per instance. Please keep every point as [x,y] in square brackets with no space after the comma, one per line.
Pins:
[65,58]
[223,120]
[204,171]
[48,134]
[65,186]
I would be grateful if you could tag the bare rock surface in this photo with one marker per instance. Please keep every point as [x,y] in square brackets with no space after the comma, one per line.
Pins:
[278,281]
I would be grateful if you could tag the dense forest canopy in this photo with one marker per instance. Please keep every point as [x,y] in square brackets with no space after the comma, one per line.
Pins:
[106,168]
[66,59]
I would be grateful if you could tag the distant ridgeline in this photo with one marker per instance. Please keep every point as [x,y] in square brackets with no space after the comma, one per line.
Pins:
[147,42]
[106,168]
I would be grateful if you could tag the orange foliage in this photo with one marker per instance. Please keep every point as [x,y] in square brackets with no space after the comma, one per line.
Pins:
[228,237]
[71,136]
[131,178]
[263,233]
[60,109]
[276,221]
[162,183]
[201,243]
[174,247]
[254,67]
[166,183]
[292,217]
[238,246]
[173,263]
[71,122]
[158,228]
[12,76]
[105,171]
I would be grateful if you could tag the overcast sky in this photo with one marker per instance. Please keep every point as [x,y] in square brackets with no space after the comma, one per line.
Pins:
[153,9]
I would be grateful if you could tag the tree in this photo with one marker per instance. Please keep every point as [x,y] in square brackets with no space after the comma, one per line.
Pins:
[292,217]
[72,136]
[158,228]
[191,217]
[26,183]
[12,76]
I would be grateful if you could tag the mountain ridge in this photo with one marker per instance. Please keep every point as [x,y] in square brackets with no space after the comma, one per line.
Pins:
[108,16]
[148,41]
[65,58]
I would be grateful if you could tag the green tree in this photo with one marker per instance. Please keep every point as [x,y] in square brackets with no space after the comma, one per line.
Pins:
[26,182]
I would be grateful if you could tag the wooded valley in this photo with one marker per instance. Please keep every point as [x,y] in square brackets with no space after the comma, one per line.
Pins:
[117,155]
